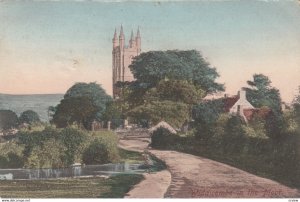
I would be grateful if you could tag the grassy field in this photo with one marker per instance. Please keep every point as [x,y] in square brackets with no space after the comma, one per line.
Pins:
[96,187]
[130,156]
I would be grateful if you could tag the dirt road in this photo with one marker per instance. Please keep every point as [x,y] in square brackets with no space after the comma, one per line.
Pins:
[197,177]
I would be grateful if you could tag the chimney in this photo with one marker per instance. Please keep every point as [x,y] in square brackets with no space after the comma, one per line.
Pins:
[242,94]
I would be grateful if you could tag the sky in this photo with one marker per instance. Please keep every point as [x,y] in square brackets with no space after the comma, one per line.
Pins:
[47,46]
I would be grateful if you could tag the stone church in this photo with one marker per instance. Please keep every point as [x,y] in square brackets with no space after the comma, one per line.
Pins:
[122,56]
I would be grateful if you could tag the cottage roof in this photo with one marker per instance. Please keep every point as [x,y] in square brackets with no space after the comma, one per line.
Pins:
[260,112]
[162,124]
[229,102]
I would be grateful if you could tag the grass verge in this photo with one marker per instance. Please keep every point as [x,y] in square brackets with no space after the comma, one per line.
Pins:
[130,156]
[115,187]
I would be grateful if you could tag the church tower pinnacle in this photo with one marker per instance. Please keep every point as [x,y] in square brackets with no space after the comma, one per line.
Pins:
[132,40]
[122,56]
[121,38]
[115,39]
[138,41]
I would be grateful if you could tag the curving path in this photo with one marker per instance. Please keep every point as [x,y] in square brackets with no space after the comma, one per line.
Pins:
[197,177]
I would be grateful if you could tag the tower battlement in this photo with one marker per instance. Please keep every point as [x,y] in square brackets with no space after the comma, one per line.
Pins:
[122,56]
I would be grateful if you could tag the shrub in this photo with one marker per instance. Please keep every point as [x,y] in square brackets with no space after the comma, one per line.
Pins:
[257,128]
[51,154]
[3,161]
[11,155]
[31,139]
[206,115]
[162,138]
[96,153]
[101,149]
[218,131]
[29,117]
[74,140]
[8,119]
[234,138]
[275,126]
[63,147]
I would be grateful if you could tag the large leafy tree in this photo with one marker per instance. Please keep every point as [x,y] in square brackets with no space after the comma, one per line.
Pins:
[261,93]
[8,119]
[169,100]
[29,116]
[82,104]
[151,67]
[177,78]
[77,110]
[94,92]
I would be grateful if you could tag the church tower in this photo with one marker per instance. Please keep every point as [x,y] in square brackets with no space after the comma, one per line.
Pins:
[122,56]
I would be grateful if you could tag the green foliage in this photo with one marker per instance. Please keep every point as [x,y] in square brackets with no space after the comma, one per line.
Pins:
[261,93]
[151,67]
[166,82]
[101,149]
[257,128]
[208,112]
[8,119]
[113,113]
[275,126]
[176,91]
[174,113]
[31,139]
[132,157]
[121,184]
[51,154]
[75,142]
[163,139]
[85,187]
[82,104]
[29,117]
[296,112]
[235,135]
[12,160]
[205,115]
[97,153]
[291,124]
[93,91]
[78,110]
[55,148]
[11,155]
[170,101]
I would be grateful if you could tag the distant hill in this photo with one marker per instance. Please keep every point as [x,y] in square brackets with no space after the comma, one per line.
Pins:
[37,102]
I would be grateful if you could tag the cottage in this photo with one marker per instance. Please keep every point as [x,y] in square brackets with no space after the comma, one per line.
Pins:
[239,105]
[162,124]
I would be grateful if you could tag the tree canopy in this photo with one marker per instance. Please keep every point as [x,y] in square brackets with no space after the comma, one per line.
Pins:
[93,91]
[82,104]
[261,93]
[8,119]
[29,117]
[175,113]
[167,85]
[151,67]
[176,91]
